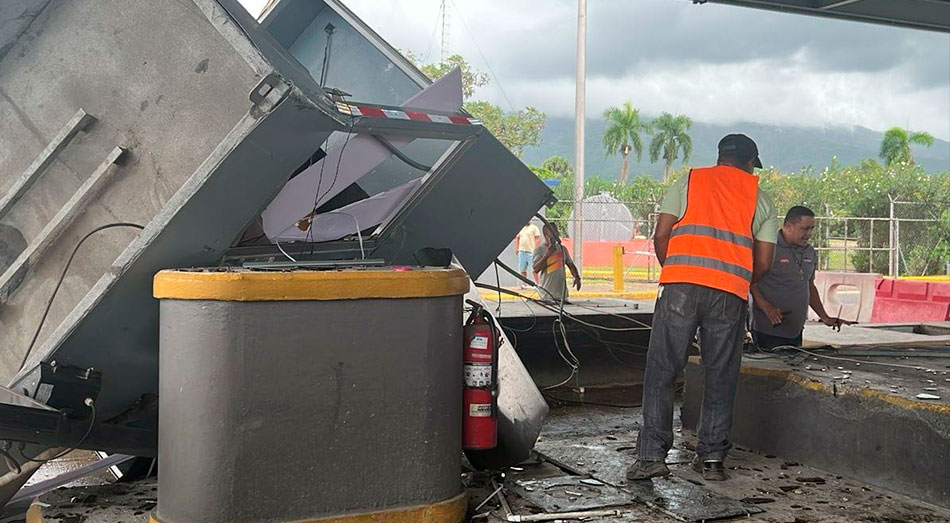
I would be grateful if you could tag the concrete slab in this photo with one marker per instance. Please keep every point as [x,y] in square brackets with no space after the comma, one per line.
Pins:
[786,490]
[876,334]
[857,417]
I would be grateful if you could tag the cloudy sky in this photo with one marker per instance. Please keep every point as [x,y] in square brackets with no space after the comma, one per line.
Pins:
[714,63]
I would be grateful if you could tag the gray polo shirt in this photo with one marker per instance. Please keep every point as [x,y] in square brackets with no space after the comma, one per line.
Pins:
[787,285]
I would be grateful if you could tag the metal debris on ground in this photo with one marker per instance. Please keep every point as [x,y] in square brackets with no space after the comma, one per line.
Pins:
[673,496]
[586,514]
[567,493]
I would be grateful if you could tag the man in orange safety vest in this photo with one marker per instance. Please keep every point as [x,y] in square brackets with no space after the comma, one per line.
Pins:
[715,235]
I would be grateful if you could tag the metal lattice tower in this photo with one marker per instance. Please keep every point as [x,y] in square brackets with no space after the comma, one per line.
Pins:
[446,27]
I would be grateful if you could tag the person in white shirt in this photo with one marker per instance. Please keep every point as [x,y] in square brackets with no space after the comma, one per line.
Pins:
[527,240]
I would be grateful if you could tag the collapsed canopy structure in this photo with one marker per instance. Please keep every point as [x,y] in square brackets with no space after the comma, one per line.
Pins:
[931,15]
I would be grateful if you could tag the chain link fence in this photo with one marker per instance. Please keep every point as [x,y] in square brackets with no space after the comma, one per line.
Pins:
[606,223]
[914,240]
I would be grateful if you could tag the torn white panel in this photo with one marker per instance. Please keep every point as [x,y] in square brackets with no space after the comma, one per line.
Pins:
[361,154]
[346,220]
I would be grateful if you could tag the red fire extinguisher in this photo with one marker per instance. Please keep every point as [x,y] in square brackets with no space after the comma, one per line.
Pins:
[480,392]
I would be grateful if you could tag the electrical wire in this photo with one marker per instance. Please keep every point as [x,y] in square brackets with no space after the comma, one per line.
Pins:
[645,326]
[435,29]
[62,277]
[852,360]
[596,403]
[339,161]
[12,463]
[559,310]
[359,233]
[480,53]
[318,196]
[498,284]
[92,422]
[289,257]
[402,156]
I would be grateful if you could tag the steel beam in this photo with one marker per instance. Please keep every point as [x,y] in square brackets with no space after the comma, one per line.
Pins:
[77,123]
[60,222]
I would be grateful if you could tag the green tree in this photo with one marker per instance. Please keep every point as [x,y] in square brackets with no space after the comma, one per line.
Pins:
[895,147]
[558,164]
[670,137]
[515,130]
[622,134]
[471,78]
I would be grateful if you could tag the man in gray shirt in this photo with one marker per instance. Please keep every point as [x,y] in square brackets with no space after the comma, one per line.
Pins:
[782,297]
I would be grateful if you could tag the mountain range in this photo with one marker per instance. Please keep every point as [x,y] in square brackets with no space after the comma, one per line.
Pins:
[788,148]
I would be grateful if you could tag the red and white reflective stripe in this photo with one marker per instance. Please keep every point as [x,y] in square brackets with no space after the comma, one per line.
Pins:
[395,114]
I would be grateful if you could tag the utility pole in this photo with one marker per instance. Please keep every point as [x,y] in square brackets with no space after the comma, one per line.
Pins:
[577,235]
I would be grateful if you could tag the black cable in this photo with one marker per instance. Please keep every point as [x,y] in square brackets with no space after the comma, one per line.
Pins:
[316,195]
[12,463]
[62,276]
[336,175]
[596,403]
[402,156]
[498,284]
[92,422]
[339,161]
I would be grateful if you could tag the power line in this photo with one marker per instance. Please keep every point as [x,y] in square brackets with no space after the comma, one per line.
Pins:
[480,53]
[435,27]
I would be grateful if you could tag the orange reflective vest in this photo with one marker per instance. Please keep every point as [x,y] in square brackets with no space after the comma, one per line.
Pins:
[711,245]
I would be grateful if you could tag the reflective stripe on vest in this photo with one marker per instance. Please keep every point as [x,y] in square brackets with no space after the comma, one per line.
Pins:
[712,244]
[712,232]
[709,263]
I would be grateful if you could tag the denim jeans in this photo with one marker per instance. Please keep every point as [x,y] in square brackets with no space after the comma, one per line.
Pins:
[720,317]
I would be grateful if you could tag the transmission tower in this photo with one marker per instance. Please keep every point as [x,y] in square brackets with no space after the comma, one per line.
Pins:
[445,31]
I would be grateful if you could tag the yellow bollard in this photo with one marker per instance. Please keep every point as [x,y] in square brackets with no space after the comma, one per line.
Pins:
[618,268]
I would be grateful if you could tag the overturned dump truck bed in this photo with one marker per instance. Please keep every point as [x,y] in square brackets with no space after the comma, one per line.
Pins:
[188,119]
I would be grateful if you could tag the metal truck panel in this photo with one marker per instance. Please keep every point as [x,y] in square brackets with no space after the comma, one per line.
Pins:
[171,84]
[213,114]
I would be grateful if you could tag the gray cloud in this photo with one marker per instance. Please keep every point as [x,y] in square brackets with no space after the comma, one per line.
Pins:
[700,59]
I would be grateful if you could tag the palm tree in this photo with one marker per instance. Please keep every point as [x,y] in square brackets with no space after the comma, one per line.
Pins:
[895,147]
[623,134]
[670,137]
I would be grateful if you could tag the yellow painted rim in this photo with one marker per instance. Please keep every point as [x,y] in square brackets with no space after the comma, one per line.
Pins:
[309,285]
[576,295]
[817,386]
[449,511]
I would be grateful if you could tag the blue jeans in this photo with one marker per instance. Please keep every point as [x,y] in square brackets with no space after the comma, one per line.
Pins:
[524,262]
[720,317]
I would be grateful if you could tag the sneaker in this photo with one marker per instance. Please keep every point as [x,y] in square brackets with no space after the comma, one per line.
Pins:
[641,470]
[710,469]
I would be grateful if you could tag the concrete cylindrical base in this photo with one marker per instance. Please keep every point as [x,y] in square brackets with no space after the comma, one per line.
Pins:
[309,395]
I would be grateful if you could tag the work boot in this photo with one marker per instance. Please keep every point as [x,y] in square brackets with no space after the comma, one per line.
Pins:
[710,469]
[642,469]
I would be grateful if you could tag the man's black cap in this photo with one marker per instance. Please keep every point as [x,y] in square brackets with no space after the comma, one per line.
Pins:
[740,147]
